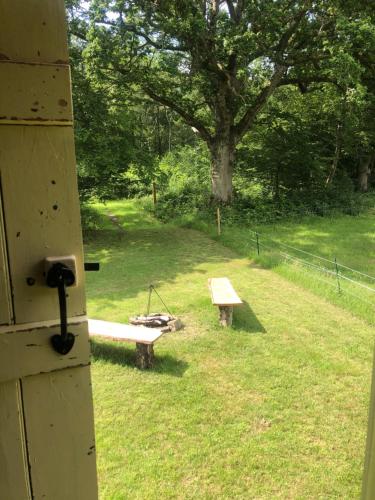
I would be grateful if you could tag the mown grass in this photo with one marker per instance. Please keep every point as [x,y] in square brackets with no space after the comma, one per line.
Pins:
[275,407]
[348,239]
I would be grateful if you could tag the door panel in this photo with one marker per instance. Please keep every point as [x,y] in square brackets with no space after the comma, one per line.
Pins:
[35,92]
[28,351]
[46,220]
[33,31]
[46,414]
[14,477]
[5,293]
[56,406]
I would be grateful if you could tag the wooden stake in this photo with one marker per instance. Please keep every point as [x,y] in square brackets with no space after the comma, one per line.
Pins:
[218,221]
[226,315]
[144,356]
[154,192]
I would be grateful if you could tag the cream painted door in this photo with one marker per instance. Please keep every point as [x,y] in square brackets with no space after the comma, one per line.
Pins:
[47,447]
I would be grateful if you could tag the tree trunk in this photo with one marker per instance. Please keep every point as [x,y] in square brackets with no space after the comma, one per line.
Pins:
[226,315]
[222,162]
[338,142]
[336,157]
[144,356]
[364,171]
[276,184]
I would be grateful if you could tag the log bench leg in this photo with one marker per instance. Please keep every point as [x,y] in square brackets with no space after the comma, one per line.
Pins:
[144,356]
[225,315]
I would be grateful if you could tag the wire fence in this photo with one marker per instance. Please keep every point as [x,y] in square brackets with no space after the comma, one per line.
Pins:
[337,270]
[345,279]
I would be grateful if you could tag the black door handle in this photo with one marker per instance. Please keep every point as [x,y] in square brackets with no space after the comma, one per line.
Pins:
[91,266]
[60,276]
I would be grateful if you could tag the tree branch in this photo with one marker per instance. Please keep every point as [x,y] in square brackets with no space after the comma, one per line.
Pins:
[280,67]
[232,10]
[188,117]
[313,59]
[248,119]
[235,12]
[285,39]
[142,34]
[304,81]
[77,34]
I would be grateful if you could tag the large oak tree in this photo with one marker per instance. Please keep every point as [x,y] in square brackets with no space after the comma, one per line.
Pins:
[217,62]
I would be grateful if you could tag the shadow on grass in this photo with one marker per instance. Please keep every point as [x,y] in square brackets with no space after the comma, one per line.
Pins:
[120,355]
[146,256]
[245,319]
[110,236]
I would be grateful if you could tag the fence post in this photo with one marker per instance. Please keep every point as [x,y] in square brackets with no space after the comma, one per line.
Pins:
[257,237]
[218,221]
[337,276]
[154,192]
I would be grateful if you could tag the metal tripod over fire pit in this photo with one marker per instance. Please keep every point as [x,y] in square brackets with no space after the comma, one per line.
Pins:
[151,289]
[166,322]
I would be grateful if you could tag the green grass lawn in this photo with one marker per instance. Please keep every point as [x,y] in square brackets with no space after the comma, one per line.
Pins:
[275,407]
[349,239]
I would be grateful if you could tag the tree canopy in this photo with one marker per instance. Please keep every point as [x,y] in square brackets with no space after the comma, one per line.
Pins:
[218,64]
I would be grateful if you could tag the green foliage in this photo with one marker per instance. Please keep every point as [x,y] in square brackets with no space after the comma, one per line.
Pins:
[105,144]
[91,219]
[150,78]
[216,64]
[184,192]
[183,182]
[118,136]
[185,167]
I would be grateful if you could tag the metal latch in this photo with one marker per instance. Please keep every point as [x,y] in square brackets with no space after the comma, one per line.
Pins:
[60,276]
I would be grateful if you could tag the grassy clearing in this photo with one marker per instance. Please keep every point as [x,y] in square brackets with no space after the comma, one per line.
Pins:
[275,407]
[349,239]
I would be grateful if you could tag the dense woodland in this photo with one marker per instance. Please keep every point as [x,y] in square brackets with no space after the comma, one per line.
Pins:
[266,105]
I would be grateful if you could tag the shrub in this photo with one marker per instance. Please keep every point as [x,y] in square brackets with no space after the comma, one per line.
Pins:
[183,182]
[90,218]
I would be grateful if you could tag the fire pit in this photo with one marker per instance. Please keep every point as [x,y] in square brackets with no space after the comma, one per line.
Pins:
[162,321]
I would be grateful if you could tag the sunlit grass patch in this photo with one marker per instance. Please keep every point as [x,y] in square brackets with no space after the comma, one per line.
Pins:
[274,407]
[305,252]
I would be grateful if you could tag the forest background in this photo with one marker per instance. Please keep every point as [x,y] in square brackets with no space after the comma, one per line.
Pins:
[260,106]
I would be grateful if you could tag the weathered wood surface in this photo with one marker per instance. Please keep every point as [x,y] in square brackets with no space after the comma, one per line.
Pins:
[144,356]
[14,475]
[26,349]
[226,315]
[223,293]
[59,421]
[35,94]
[6,312]
[123,332]
[38,177]
[46,409]
[26,35]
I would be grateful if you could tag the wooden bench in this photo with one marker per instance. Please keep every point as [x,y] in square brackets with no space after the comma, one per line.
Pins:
[143,338]
[225,297]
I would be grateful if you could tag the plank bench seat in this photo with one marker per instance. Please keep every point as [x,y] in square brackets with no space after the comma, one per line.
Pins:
[143,338]
[225,297]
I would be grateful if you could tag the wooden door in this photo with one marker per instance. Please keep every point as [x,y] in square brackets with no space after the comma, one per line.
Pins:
[47,447]
[368,483]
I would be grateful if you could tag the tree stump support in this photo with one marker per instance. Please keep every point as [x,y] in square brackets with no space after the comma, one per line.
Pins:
[225,315]
[144,356]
